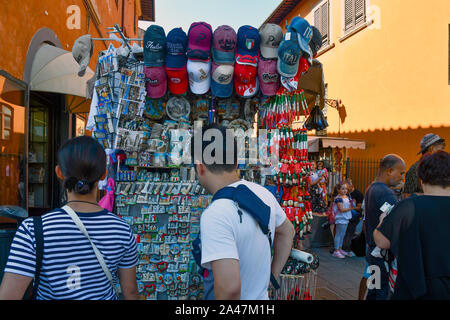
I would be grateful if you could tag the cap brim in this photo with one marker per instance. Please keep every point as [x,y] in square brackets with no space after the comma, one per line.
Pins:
[223,57]
[178,88]
[286,70]
[269,89]
[200,87]
[269,53]
[176,61]
[157,92]
[245,52]
[304,45]
[221,90]
[246,94]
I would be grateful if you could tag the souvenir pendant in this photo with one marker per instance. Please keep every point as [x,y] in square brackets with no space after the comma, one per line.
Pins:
[162,266]
[168,279]
[161,287]
[149,289]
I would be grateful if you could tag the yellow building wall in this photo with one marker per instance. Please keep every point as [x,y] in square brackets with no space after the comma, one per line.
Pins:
[392,77]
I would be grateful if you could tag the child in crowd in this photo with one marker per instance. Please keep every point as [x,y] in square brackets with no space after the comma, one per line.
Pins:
[342,207]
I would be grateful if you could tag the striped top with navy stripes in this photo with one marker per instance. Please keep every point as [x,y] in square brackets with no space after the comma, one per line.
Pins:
[70,269]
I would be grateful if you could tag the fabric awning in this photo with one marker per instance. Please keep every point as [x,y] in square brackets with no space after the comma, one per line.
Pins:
[334,142]
[55,70]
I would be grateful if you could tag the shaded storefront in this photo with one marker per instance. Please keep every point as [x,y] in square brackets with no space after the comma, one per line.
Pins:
[333,152]
[13,139]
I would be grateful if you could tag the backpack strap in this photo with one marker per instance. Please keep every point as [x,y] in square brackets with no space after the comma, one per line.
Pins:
[39,237]
[250,202]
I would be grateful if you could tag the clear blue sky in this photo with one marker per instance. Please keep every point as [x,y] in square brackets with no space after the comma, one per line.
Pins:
[170,14]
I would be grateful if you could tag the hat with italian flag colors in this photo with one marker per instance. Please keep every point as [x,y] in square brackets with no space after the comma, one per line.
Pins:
[248,44]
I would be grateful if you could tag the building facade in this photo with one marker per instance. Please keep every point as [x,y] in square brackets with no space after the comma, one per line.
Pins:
[42,100]
[388,63]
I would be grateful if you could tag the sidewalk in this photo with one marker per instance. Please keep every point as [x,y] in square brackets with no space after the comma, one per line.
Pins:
[338,279]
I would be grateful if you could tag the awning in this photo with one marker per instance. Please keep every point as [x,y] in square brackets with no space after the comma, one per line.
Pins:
[75,104]
[334,142]
[55,70]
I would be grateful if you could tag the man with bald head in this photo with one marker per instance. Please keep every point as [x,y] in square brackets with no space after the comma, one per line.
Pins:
[390,173]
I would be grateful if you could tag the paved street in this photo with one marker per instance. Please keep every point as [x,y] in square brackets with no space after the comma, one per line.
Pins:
[338,279]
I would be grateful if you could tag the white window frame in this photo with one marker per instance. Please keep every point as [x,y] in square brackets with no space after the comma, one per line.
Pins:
[330,21]
[362,25]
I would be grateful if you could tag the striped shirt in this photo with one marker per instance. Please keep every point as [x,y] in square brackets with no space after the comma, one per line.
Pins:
[70,269]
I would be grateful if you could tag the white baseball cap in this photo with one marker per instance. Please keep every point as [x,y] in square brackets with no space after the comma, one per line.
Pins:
[199,73]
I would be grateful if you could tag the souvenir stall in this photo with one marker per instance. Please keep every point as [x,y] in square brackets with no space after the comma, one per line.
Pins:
[146,103]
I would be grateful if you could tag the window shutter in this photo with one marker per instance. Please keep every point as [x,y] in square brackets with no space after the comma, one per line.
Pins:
[360,11]
[348,15]
[321,21]
[317,19]
[325,18]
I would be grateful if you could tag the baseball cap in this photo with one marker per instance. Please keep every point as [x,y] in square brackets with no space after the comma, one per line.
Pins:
[428,140]
[304,33]
[245,80]
[82,51]
[199,73]
[154,46]
[271,35]
[155,82]
[222,80]
[177,79]
[316,41]
[199,43]
[176,48]
[289,54]
[268,77]
[224,45]
[248,43]
[291,84]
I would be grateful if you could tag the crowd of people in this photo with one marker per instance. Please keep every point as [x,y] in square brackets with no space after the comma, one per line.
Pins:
[405,223]
[406,236]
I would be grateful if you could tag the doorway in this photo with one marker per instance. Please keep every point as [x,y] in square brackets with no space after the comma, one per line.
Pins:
[48,128]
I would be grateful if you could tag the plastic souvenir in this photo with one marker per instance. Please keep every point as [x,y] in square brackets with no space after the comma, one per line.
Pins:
[178,108]
[154,108]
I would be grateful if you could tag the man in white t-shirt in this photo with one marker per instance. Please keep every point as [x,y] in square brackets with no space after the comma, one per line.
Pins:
[233,245]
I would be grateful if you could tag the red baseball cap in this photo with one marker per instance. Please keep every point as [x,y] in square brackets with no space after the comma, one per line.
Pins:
[177,80]
[245,80]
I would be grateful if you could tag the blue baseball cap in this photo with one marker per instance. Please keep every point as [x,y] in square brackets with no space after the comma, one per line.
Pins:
[248,41]
[304,33]
[154,46]
[177,42]
[222,80]
[289,54]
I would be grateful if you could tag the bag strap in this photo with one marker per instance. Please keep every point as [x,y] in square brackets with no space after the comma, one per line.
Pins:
[97,252]
[39,237]
[232,193]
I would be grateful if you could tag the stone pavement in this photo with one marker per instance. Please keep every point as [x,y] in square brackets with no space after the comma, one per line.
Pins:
[337,279]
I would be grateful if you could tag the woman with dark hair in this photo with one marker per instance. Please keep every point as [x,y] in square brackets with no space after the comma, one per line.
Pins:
[85,248]
[417,233]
